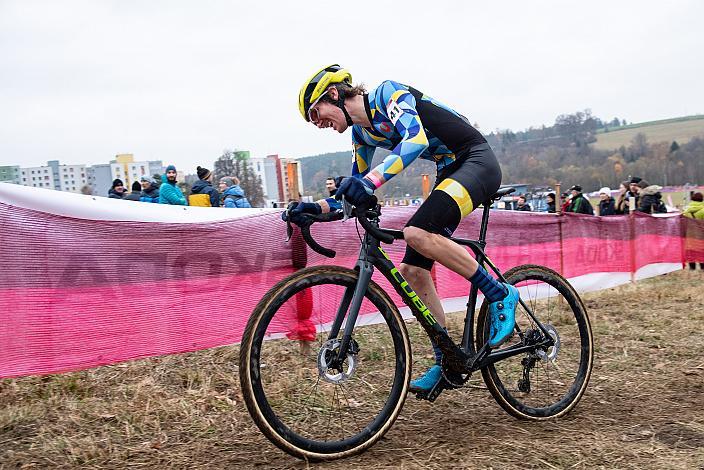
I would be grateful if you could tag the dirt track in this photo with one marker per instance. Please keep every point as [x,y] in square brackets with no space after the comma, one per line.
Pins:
[644,407]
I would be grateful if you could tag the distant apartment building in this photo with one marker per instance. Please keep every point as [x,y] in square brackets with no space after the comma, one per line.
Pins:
[282,179]
[11,174]
[265,168]
[100,179]
[73,178]
[70,178]
[37,177]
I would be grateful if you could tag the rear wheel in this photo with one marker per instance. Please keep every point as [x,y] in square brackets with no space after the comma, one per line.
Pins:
[303,404]
[545,382]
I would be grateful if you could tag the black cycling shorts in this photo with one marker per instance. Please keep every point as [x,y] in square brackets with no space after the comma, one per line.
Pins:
[458,189]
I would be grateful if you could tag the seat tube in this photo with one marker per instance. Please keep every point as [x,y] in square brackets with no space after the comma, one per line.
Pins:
[485,223]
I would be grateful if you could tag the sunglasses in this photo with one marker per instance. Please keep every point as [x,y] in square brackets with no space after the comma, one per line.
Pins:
[313,113]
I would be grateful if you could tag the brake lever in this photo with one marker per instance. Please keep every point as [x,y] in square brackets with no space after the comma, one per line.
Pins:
[346,209]
[289,227]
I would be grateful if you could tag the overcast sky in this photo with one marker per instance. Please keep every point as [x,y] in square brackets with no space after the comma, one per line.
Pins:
[81,81]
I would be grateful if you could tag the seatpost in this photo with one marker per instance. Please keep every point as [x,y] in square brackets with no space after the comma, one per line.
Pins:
[485,222]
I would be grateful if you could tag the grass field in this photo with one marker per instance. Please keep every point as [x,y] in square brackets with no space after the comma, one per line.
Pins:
[642,408]
[657,131]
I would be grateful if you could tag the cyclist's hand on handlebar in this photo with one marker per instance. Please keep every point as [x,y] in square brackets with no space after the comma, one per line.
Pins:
[357,191]
[296,212]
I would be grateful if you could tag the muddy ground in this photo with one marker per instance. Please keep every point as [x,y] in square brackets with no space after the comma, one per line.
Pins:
[644,407]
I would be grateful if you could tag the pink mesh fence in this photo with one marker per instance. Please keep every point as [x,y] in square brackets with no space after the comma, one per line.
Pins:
[78,293]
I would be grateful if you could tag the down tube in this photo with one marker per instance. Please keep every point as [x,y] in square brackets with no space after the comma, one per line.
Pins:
[384,264]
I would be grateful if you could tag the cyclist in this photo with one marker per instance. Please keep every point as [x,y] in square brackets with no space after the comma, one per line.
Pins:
[413,125]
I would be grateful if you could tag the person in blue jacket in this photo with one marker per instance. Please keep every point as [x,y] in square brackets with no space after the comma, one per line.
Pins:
[169,192]
[150,190]
[233,195]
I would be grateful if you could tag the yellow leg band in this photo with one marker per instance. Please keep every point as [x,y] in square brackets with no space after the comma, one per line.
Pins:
[458,193]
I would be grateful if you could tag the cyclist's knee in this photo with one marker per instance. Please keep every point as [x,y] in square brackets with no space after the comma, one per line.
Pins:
[416,237]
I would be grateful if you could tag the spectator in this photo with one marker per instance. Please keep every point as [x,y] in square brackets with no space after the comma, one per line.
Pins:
[118,189]
[633,191]
[579,204]
[522,204]
[331,186]
[233,195]
[551,202]
[621,205]
[150,190]
[650,199]
[134,195]
[695,210]
[202,193]
[566,199]
[606,203]
[169,192]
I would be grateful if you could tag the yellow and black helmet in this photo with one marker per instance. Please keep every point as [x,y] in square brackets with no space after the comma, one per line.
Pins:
[315,87]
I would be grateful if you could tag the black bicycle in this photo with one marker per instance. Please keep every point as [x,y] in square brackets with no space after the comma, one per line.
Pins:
[337,395]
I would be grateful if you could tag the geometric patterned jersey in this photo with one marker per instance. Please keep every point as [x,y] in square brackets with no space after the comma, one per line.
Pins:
[411,125]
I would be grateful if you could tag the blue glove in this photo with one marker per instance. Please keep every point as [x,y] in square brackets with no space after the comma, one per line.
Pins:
[357,191]
[299,209]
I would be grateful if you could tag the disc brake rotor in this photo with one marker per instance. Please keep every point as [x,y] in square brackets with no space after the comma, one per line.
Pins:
[551,353]
[328,353]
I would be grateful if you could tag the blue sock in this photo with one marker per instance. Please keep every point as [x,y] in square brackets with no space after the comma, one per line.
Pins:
[437,351]
[491,288]
[438,354]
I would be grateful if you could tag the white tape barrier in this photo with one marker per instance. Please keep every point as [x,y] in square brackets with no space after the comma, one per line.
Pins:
[102,208]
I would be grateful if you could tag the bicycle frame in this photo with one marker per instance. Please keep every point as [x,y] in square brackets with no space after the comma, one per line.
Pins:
[460,359]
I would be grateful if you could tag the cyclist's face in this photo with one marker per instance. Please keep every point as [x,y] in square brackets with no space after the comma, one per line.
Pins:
[325,114]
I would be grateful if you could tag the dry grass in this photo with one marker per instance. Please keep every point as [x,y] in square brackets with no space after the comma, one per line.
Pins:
[681,131]
[643,407]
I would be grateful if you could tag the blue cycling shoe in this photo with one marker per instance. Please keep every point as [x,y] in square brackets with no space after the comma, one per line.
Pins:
[503,317]
[426,383]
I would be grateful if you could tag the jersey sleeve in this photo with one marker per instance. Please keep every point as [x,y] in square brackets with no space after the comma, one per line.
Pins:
[362,154]
[400,108]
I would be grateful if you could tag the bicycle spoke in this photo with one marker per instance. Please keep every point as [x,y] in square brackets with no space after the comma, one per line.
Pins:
[542,381]
[335,407]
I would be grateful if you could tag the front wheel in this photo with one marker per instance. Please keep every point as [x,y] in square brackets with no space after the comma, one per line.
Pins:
[306,407]
[544,382]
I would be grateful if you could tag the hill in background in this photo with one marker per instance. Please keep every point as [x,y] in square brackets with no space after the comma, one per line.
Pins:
[681,130]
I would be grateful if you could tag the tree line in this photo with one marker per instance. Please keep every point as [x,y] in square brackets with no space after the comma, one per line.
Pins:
[564,154]
[543,156]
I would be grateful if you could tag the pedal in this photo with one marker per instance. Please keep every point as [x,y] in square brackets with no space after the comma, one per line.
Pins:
[432,394]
